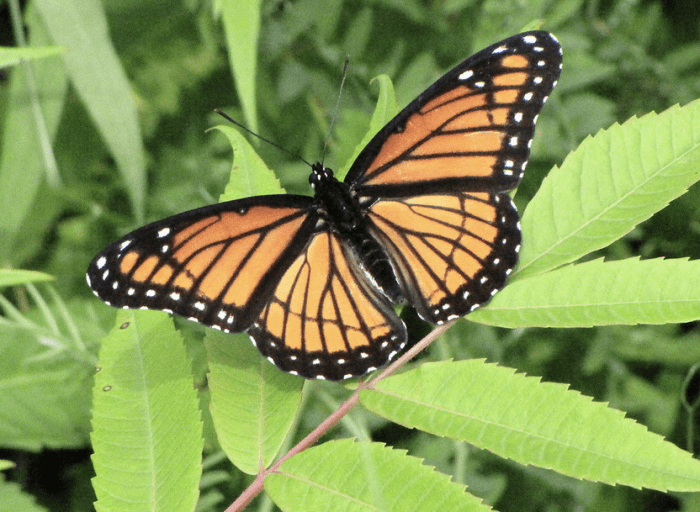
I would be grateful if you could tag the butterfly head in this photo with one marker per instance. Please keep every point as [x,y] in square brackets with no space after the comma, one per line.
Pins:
[319,174]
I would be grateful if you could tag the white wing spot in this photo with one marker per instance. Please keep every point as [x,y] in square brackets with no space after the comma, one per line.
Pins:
[221,314]
[500,49]
[175,296]
[150,293]
[200,306]
[466,75]
[530,39]
[479,85]
[124,245]
[115,285]
[101,262]
[130,291]
[518,117]
[105,275]
[163,232]
[513,142]
[537,80]
[528,96]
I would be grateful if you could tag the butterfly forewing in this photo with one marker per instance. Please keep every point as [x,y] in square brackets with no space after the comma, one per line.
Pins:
[325,320]
[471,130]
[215,265]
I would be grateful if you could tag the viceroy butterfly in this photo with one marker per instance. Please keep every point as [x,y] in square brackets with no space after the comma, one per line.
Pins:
[422,217]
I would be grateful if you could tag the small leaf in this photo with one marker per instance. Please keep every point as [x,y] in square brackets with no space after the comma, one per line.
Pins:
[384,112]
[147,433]
[531,422]
[98,77]
[241,20]
[249,174]
[13,498]
[612,182]
[347,475]
[253,404]
[625,292]
[13,56]
[13,277]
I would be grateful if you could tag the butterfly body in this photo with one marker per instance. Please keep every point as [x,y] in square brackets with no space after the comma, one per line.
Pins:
[422,216]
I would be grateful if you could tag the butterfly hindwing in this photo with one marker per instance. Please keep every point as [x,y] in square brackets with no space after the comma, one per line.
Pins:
[215,265]
[470,130]
[324,319]
[452,251]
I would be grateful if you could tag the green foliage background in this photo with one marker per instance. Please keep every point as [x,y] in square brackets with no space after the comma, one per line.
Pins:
[621,58]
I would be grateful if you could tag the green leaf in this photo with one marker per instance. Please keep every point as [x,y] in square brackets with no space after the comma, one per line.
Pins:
[147,433]
[13,277]
[45,377]
[99,79]
[249,174]
[12,56]
[241,20]
[611,183]
[384,112]
[6,464]
[22,159]
[542,424]
[253,404]
[600,293]
[13,498]
[347,475]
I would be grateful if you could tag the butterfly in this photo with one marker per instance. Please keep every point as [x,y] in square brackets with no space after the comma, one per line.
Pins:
[422,217]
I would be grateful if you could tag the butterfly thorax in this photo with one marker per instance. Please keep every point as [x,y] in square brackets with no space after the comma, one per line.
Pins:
[342,211]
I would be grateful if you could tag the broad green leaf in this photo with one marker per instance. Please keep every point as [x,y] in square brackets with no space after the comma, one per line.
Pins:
[99,79]
[241,20]
[12,56]
[531,422]
[384,112]
[22,158]
[13,498]
[253,404]
[13,277]
[347,475]
[147,433]
[612,182]
[600,293]
[6,464]
[249,174]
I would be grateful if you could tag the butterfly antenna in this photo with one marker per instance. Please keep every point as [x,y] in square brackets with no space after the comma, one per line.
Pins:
[246,129]
[335,109]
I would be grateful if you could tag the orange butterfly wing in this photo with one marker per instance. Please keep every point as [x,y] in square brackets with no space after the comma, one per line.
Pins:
[470,130]
[215,265]
[434,178]
[324,319]
[452,252]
